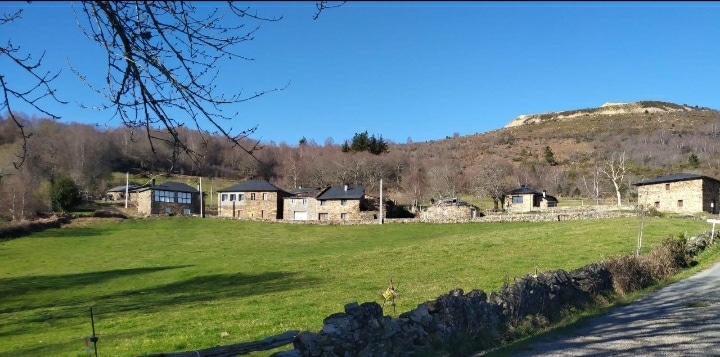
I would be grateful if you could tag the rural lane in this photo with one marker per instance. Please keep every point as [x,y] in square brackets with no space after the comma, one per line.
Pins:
[681,319]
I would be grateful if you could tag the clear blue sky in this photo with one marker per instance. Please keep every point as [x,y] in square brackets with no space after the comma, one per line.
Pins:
[425,70]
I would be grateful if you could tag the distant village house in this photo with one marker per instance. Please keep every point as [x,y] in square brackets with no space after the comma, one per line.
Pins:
[680,193]
[524,199]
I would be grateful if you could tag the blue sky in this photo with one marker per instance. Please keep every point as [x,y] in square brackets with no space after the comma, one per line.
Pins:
[423,70]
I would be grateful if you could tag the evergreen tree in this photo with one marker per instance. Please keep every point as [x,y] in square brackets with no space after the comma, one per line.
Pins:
[550,156]
[64,194]
[694,161]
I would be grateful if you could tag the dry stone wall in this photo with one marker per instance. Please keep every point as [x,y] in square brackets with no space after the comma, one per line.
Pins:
[363,329]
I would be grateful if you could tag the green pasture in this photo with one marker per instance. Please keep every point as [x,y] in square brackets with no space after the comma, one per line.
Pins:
[172,284]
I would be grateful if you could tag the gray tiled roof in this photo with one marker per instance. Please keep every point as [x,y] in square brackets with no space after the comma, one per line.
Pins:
[528,191]
[307,192]
[170,186]
[122,188]
[339,193]
[252,186]
[673,178]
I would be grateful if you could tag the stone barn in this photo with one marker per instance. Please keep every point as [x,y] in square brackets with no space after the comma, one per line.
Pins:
[450,209]
[680,193]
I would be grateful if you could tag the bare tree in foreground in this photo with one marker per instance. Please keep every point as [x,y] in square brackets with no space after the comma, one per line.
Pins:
[162,61]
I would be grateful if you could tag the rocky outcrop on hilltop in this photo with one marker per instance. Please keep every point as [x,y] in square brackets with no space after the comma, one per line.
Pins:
[642,107]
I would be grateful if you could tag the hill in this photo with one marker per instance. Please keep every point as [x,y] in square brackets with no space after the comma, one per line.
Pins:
[561,152]
[642,107]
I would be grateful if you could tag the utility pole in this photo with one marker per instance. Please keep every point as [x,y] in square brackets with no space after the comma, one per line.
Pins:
[381,205]
[127,183]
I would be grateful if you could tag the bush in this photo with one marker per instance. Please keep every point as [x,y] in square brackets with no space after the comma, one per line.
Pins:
[64,194]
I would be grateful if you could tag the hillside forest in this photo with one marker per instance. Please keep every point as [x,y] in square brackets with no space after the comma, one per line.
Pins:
[583,157]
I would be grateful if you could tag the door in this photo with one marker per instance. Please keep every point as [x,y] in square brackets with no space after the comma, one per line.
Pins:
[300,216]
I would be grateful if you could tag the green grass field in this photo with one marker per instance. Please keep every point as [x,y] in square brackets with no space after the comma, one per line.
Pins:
[171,284]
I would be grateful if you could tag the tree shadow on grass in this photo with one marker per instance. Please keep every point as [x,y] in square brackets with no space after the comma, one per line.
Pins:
[16,288]
[204,288]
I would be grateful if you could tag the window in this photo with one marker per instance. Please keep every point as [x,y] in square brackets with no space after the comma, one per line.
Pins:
[264,196]
[252,196]
[667,187]
[343,216]
[323,216]
[184,197]
[680,203]
[517,199]
[343,202]
[657,204]
[223,197]
[304,201]
[232,197]
[241,197]
[164,196]
[322,202]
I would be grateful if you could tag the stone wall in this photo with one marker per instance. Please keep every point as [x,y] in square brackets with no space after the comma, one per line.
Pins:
[535,300]
[448,212]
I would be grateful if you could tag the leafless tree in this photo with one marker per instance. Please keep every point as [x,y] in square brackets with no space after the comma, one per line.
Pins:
[593,188]
[162,62]
[615,169]
[493,180]
[32,91]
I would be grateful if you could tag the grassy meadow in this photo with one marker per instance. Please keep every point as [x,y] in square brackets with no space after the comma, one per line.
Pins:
[171,284]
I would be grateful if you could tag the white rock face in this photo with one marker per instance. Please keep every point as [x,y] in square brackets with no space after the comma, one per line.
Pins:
[608,108]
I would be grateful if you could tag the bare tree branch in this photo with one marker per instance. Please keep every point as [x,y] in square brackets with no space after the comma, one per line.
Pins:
[323,5]
[38,90]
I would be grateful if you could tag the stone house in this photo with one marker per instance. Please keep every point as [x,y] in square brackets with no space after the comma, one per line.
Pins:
[252,199]
[169,198]
[344,203]
[525,199]
[680,193]
[450,209]
[117,193]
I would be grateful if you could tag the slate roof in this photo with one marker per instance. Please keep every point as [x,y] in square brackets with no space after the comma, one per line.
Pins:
[307,192]
[253,186]
[122,188]
[522,190]
[673,178]
[170,186]
[339,193]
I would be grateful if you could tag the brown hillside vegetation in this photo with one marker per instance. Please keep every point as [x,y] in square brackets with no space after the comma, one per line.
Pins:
[658,138]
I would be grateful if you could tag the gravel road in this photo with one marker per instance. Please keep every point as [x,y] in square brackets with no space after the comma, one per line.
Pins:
[682,319]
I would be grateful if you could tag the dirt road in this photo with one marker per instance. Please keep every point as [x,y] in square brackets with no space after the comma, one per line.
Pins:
[682,319]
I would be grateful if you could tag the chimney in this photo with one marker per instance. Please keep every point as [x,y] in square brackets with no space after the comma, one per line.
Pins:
[346,187]
[543,193]
[153,182]
[522,186]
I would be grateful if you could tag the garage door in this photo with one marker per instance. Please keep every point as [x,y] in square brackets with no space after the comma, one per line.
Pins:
[300,216]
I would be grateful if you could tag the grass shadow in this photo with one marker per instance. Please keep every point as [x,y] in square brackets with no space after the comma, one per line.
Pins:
[20,286]
[204,288]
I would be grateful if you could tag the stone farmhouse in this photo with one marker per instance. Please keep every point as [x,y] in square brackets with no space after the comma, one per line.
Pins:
[169,198]
[252,199]
[345,203]
[680,193]
[450,209]
[524,199]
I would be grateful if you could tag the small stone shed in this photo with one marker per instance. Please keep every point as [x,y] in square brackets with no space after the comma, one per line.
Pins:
[450,209]
[680,193]
[525,199]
